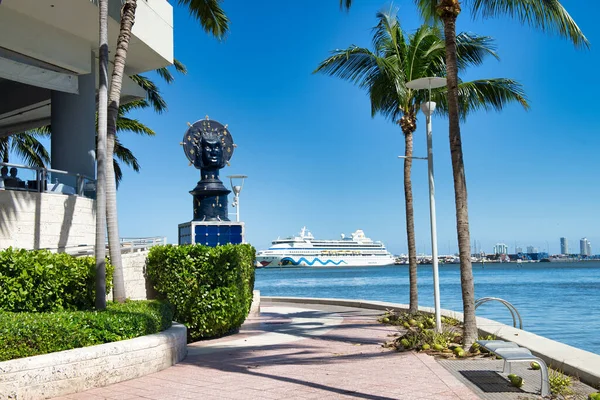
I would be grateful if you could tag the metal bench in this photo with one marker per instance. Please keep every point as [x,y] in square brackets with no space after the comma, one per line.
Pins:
[511,352]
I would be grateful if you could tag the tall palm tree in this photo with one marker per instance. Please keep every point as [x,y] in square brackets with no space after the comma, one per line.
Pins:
[398,59]
[100,246]
[213,20]
[547,15]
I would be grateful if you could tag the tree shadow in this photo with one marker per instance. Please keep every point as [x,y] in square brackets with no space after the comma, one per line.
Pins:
[490,382]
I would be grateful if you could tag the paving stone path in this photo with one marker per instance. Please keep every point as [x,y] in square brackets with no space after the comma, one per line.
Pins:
[297,352]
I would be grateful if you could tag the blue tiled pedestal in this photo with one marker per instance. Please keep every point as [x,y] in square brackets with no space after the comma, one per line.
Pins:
[211,233]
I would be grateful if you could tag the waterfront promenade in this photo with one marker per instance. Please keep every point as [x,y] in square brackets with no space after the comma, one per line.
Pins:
[294,351]
[318,351]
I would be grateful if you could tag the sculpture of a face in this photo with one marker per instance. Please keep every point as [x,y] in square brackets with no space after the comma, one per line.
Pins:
[212,153]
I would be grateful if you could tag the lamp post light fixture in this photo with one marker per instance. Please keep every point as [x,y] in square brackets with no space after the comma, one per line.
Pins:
[428,108]
[237,183]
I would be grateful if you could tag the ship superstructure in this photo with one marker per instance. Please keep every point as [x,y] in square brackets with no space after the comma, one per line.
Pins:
[305,250]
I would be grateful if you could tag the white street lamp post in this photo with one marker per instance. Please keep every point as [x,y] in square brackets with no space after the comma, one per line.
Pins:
[236,192]
[428,109]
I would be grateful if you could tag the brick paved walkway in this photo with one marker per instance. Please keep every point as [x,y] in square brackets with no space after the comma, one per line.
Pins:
[291,352]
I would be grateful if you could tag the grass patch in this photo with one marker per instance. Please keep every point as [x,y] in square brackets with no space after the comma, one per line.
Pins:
[30,334]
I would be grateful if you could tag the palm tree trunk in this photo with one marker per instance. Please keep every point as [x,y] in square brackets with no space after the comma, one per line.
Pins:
[100,249]
[410,224]
[127,20]
[449,12]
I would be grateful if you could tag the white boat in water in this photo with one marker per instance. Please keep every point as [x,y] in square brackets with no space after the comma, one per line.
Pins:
[305,250]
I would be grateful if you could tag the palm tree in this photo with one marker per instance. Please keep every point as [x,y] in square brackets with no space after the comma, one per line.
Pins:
[27,146]
[214,21]
[548,15]
[397,60]
[100,246]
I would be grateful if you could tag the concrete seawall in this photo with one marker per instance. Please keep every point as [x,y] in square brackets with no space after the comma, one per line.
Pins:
[70,371]
[571,360]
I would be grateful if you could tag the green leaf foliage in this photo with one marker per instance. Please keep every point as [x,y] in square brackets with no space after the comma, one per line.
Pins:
[31,334]
[210,287]
[40,281]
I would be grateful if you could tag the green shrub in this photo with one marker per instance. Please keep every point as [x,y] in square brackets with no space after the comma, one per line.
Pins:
[560,384]
[210,287]
[30,334]
[39,281]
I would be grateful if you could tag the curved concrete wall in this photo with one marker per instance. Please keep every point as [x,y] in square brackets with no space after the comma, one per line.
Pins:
[71,371]
[31,220]
[571,360]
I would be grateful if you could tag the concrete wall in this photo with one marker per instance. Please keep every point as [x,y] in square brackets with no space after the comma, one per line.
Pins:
[71,371]
[31,220]
[134,276]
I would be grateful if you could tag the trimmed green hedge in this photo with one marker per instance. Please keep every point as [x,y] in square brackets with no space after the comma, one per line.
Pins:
[210,287]
[39,281]
[30,334]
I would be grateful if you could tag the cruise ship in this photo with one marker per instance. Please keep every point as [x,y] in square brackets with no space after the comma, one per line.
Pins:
[306,251]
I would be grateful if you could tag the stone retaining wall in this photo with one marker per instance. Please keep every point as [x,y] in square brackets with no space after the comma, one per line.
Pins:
[571,360]
[31,220]
[134,276]
[71,371]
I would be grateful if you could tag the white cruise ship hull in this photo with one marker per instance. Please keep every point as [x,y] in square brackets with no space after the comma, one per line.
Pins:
[320,261]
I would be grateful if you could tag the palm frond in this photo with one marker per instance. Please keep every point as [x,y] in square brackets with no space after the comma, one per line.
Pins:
[547,15]
[27,147]
[387,33]
[355,64]
[152,93]
[138,104]
[167,76]
[472,49]
[126,156]
[211,16]
[125,124]
[179,67]
[123,154]
[483,94]
[345,4]
[428,11]
[118,172]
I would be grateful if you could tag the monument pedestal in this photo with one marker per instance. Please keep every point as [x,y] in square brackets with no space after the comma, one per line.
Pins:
[211,233]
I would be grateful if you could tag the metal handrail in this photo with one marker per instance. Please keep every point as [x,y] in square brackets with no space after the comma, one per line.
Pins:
[511,308]
[128,245]
[42,173]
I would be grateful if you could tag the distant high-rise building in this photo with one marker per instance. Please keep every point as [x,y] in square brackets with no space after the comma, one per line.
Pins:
[588,248]
[564,246]
[531,249]
[585,247]
[518,250]
[500,248]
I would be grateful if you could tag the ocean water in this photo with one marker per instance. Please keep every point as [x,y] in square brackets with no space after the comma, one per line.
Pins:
[560,301]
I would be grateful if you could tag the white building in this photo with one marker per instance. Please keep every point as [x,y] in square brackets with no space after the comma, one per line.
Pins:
[564,246]
[585,247]
[500,248]
[532,250]
[48,75]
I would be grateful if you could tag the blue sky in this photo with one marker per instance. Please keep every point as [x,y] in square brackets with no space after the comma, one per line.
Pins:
[315,157]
